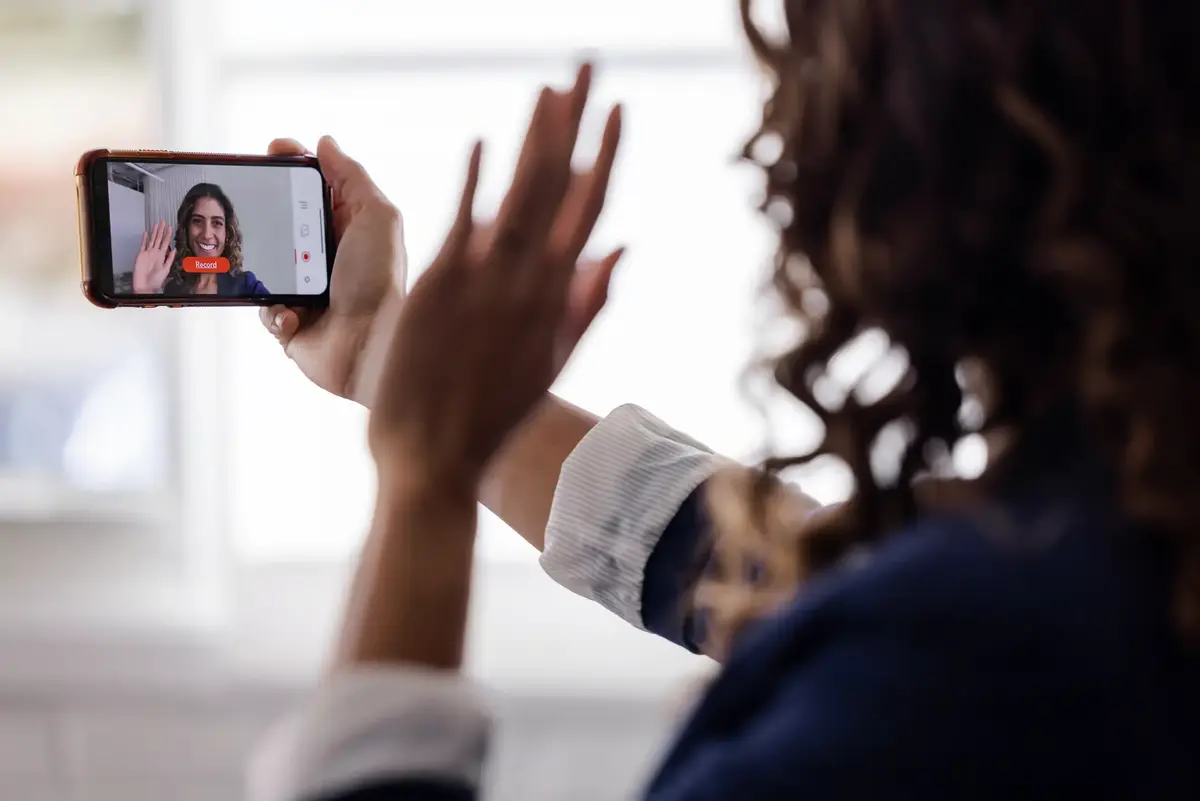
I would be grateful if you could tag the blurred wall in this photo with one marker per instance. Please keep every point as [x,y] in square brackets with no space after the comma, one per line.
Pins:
[188,743]
[127,212]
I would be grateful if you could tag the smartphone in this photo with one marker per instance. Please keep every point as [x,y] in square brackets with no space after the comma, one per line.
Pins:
[159,228]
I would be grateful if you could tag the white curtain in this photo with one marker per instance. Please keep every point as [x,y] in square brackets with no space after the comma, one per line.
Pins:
[163,196]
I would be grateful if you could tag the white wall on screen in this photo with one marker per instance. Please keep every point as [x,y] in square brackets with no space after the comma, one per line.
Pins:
[165,191]
[126,210]
[261,198]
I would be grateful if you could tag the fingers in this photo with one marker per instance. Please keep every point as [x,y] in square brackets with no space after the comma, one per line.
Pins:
[160,237]
[286,147]
[170,258]
[585,198]
[464,219]
[281,321]
[578,97]
[589,293]
[603,280]
[543,171]
[523,203]
[348,179]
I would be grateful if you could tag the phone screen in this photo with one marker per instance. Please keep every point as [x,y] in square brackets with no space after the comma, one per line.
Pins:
[187,230]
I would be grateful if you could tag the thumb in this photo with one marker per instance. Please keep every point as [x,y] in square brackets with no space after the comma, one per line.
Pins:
[280,321]
[588,294]
[347,178]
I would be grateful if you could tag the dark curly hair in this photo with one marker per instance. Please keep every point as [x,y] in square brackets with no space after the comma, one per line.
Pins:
[1009,186]
[183,283]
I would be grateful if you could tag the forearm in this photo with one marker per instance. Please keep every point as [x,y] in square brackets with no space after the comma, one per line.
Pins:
[372,350]
[417,558]
[520,483]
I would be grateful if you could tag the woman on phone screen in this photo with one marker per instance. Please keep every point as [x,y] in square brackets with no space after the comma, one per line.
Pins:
[206,226]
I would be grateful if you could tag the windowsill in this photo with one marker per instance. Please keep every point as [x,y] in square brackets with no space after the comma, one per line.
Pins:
[45,502]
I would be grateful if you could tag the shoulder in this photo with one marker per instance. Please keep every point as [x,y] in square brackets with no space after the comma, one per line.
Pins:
[963,648]
[243,284]
[252,284]
[999,565]
[1025,589]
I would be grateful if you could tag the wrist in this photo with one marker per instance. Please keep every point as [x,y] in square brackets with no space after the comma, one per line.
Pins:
[372,345]
[410,481]
[408,603]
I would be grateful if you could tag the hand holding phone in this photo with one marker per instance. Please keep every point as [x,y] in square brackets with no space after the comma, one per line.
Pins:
[192,229]
[335,346]
[343,348]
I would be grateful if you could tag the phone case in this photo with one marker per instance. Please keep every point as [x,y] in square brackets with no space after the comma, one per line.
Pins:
[92,284]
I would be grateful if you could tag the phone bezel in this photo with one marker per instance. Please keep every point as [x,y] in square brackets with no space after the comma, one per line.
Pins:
[91,175]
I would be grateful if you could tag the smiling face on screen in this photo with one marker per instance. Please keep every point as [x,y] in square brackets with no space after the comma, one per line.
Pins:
[207,228]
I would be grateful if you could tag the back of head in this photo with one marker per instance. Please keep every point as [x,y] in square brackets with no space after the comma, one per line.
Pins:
[1002,184]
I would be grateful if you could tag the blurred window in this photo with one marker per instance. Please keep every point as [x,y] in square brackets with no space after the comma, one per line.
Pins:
[404,88]
[193,423]
[86,396]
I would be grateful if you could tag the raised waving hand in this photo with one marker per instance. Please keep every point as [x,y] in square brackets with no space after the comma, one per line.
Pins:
[153,261]
[492,322]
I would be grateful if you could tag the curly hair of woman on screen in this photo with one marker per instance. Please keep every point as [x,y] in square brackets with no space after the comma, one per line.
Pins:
[207,227]
[1005,190]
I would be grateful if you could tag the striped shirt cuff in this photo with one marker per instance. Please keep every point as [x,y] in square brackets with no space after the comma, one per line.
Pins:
[616,494]
[373,725]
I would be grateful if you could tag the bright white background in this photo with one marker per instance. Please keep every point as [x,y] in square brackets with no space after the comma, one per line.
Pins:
[672,339]
[406,94]
[265,488]
[179,509]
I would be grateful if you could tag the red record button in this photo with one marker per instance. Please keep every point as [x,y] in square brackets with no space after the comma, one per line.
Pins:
[198,264]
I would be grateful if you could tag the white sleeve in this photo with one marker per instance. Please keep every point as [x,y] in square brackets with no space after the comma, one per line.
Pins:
[616,494]
[371,725]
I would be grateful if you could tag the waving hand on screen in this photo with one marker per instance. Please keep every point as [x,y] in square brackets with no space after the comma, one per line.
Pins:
[154,259]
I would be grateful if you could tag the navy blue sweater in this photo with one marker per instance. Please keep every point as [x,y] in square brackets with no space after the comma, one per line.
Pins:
[1022,651]
[244,284]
